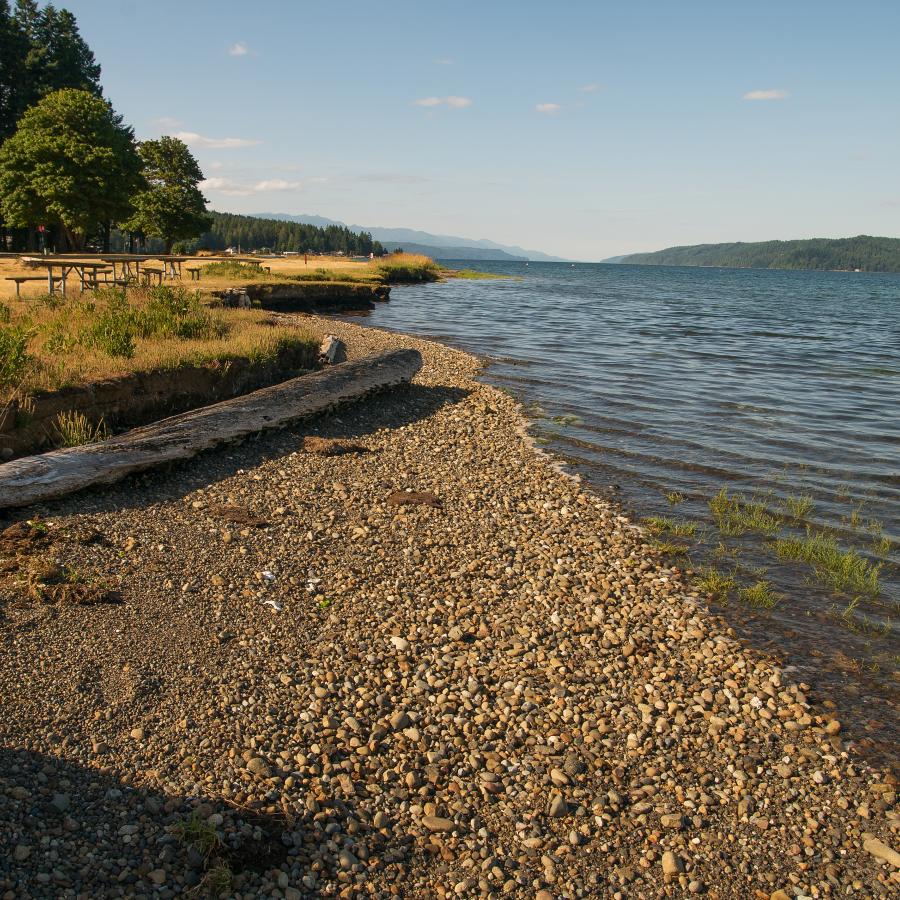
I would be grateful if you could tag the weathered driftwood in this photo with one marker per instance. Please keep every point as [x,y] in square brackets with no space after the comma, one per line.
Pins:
[36,478]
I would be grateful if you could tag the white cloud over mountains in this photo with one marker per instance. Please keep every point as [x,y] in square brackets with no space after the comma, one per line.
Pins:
[238,49]
[192,139]
[769,94]
[548,109]
[232,188]
[454,102]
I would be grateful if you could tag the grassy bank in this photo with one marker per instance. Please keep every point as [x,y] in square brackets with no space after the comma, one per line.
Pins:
[475,275]
[53,342]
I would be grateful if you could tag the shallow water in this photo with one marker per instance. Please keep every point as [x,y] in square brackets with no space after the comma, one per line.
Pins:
[655,382]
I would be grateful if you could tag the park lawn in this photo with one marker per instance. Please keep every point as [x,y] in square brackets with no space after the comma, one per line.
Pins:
[396,268]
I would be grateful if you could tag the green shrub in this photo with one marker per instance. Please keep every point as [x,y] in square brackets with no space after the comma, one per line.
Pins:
[759,595]
[75,429]
[113,331]
[717,584]
[408,268]
[14,356]
[843,570]
[231,268]
[176,312]
[736,515]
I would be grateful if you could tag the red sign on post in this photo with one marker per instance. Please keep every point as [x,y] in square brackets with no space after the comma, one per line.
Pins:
[41,229]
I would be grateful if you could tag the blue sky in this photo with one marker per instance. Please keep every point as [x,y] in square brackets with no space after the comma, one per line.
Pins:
[584,129]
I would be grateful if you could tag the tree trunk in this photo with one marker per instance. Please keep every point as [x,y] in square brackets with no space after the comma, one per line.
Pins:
[38,478]
[107,228]
[73,238]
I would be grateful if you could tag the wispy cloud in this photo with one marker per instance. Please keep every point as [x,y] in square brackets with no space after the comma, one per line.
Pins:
[769,94]
[443,61]
[591,88]
[234,188]
[192,139]
[455,102]
[548,109]
[391,178]
[166,123]
[238,49]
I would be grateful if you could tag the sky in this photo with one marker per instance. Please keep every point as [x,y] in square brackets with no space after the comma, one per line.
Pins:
[582,129]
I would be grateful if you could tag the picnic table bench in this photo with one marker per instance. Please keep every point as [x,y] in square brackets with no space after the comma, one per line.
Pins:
[148,273]
[194,272]
[21,279]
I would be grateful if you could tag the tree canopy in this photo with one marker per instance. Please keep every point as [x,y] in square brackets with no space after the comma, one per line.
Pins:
[171,207]
[41,51]
[252,233]
[70,162]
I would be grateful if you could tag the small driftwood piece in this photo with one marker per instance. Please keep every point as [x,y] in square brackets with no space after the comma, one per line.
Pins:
[60,472]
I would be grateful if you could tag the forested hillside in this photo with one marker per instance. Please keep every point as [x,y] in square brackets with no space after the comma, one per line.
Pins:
[250,233]
[869,254]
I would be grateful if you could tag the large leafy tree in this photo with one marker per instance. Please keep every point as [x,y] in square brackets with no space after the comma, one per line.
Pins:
[71,162]
[172,206]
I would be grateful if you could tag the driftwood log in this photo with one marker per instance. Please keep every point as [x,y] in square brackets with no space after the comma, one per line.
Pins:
[59,472]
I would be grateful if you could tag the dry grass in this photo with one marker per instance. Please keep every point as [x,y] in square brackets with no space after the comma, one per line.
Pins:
[397,266]
[291,265]
[90,337]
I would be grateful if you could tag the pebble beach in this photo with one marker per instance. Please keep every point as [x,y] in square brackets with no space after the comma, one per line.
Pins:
[395,651]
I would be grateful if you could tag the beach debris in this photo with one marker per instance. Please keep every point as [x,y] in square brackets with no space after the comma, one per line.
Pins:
[331,446]
[275,604]
[312,584]
[24,537]
[238,515]
[332,350]
[267,575]
[414,498]
[50,582]
[25,560]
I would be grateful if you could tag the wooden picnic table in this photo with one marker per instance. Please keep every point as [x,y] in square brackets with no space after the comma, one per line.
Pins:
[125,267]
[87,273]
[131,264]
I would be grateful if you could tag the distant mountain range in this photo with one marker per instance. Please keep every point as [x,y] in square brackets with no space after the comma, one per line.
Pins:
[864,252]
[442,246]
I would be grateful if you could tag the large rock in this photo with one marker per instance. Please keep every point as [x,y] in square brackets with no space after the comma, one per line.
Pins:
[333,350]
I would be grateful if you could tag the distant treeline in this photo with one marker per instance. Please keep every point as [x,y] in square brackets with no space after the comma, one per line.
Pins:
[250,233]
[869,254]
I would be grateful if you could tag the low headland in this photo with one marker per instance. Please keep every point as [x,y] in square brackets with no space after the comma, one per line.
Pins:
[863,253]
[395,651]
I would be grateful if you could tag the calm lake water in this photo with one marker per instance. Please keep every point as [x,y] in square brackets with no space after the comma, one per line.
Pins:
[663,385]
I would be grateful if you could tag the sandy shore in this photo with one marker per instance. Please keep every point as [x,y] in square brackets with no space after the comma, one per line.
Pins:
[307,690]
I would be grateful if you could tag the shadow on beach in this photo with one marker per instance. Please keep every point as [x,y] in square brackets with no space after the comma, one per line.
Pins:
[395,408]
[69,829]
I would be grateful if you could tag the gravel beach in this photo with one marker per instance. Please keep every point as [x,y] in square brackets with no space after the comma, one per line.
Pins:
[412,659]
